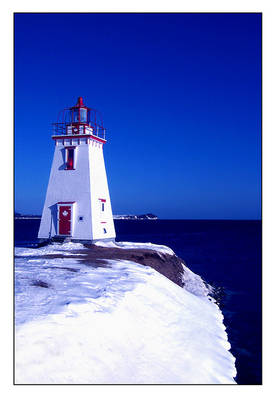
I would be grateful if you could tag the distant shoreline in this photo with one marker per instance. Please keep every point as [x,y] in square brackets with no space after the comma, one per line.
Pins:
[28,217]
[115,217]
[159,219]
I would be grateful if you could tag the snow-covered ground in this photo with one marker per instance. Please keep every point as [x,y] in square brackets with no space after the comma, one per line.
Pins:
[125,323]
[133,245]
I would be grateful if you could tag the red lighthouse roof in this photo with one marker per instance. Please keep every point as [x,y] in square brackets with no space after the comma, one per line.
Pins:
[80,102]
[79,105]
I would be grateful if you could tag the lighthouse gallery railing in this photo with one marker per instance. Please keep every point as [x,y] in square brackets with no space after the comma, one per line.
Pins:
[64,129]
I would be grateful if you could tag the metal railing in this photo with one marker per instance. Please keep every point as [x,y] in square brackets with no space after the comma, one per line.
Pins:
[64,129]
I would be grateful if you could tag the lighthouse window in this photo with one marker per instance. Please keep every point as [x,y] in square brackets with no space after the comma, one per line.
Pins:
[102,206]
[75,116]
[83,115]
[104,230]
[70,159]
[79,115]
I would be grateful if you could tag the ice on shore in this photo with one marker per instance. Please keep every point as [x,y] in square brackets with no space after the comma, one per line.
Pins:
[124,323]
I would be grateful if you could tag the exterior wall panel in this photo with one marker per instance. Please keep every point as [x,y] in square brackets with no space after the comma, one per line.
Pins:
[83,186]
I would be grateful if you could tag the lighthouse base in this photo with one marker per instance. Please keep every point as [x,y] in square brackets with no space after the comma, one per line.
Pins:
[66,239]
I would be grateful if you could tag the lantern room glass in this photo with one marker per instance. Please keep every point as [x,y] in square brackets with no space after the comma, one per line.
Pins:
[75,115]
[83,114]
[79,115]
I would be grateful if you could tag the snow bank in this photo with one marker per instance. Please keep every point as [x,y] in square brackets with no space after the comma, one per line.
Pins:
[125,323]
[130,245]
[56,248]
[195,284]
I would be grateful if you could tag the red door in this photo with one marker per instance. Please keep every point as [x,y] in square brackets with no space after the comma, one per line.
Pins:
[65,220]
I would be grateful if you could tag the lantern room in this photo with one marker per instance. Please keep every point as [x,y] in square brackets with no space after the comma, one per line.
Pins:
[80,113]
[79,120]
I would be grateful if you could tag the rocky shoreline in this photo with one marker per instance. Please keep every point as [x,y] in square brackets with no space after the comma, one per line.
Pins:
[96,256]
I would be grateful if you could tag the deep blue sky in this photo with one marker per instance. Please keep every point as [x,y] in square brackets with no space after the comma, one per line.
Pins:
[180,96]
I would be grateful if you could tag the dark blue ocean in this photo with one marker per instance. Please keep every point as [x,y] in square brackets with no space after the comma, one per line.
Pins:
[226,254]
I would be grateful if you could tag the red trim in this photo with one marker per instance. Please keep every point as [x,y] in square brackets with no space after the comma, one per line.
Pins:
[79,104]
[79,136]
[98,139]
[77,123]
[66,202]
[103,200]
[103,222]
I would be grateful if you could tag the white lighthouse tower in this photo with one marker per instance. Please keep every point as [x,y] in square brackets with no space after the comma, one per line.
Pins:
[77,205]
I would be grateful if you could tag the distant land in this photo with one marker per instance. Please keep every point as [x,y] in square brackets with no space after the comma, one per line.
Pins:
[26,216]
[142,216]
[132,217]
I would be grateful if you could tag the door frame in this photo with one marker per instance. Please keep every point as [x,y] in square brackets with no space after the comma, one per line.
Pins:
[65,204]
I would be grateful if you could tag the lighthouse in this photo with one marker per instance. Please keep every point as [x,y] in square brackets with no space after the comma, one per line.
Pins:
[77,205]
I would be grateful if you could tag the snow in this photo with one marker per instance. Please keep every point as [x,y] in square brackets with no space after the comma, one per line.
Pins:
[55,248]
[130,245]
[194,283]
[124,323]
